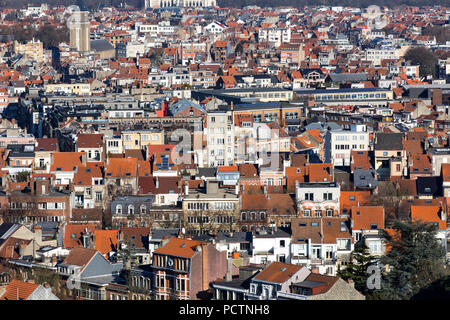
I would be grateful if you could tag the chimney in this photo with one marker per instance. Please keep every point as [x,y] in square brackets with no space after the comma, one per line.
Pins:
[186,189]
[237,189]
[315,270]
[437,96]
[37,232]
[165,240]
[229,274]
[205,267]
[157,183]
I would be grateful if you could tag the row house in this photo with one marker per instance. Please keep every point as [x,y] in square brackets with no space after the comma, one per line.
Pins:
[323,243]
[318,199]
[41,203]
[184,269]
[210,208]
[132,211]
[89,187]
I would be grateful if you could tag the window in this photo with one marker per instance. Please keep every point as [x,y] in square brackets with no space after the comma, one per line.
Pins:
[318,213]
[327,196]
[309,196]
[98,196]
[343,244]
[119,209]
[329,212]
[282,243]
[130,209]
[375,246]
[307,213]
[143,209]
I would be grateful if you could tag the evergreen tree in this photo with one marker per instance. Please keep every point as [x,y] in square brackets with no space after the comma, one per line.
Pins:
[416,259]
[360,260]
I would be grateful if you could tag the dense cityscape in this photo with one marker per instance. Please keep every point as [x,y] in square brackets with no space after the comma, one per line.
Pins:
[185,151]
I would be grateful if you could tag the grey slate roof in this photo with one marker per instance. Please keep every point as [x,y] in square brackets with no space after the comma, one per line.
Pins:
[364,178]
[157,234]
[101,45]
[184,104]
[206,172]
[389,141]
[348,77]
[237,237]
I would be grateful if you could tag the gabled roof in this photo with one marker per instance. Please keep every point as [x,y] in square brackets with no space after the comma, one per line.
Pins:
[73,232]
[365,217]
[312,228]
[180,247]
[183,105]
[79,256]
[119,167]
[46,144]
[326,282]
[87,140]
[106,240]
[430,214]
[66,161]
[278,272]
[18,290]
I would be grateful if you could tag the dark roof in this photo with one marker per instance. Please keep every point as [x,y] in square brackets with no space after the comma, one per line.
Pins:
[236,237]
[429,186]
[4,228]
[364,178]
[389,141]
[101,45]
[158,234]
[351,77]
[206,172]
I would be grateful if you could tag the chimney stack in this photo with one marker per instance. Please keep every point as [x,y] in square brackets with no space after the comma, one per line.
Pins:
[205,267]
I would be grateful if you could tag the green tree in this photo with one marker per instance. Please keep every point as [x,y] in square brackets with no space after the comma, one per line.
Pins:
[415,261]
[424,58]
[22,176]
[360,260]
[186,86]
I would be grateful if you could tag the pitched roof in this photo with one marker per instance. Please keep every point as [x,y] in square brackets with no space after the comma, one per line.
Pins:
[136,236]
[428,214]
[121,167]
[180,247]
[18,290]
[46,144]
[73,232]
[364,217]
[165,185]
[327,281]
[311,228]
[89,140]
[106,240]
[66,161]
[79,256]
[278,272]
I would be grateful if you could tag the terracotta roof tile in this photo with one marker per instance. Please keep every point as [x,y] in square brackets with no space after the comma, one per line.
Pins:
[278,272]
[19,290]
[180,247]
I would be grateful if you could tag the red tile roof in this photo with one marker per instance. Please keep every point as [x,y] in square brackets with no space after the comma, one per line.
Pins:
[18,290]
[278,272]
[180,247]
[365,216]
